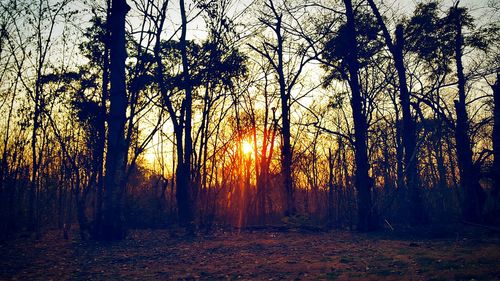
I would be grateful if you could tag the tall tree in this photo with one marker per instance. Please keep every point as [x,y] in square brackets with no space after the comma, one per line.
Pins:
[286,153]
[411,177]
[288,59]
[182,123]
[113,226]
[347,50]
[496,136]
[184,180]
[469,174]
[363,181]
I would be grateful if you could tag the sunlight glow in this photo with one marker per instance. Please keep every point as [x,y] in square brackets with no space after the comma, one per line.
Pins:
[150,157]
[247,148]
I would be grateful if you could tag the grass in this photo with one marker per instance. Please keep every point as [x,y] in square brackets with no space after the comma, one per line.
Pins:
[259,255]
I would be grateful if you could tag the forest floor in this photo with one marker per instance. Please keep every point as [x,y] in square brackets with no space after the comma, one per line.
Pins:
[463,253]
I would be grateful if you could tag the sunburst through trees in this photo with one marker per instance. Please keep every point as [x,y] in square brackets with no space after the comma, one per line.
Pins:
[216,114]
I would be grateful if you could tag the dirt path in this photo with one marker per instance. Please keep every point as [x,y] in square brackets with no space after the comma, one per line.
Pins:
[153,255]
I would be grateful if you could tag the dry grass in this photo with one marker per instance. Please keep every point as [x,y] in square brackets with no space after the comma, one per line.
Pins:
[263,255]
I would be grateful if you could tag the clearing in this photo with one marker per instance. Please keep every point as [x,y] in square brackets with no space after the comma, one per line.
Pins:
[464,253]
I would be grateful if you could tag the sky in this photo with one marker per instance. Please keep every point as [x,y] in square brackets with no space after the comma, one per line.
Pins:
[404,7]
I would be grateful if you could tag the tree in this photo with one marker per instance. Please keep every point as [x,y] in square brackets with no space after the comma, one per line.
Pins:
[288,59]
[113,227]
[440,40]
[35,44]
[409,137]
[344,54]
[469,174]
[496,135]
[363,182]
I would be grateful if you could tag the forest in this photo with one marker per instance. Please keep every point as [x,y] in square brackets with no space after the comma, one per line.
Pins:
[125,118]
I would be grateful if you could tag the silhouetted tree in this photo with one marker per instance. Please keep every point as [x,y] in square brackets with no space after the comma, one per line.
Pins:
[409,137]
[113,226]
[469,173]
[496,137]
[363,181]
[288,59]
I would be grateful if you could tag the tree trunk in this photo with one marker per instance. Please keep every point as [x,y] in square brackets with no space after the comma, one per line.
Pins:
[181,124]
[101,126]
[286,153]
[184,182]
[331,191]
[469,178]
[409,135]
[113,227]
[363,182]
[411,178]
[496,140]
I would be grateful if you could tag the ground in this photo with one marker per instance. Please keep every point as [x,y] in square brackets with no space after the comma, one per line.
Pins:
[462,254]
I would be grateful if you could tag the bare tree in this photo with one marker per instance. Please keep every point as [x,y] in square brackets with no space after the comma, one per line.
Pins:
[469,176]
[409,136]
[112,219]
[363,182]
[288,62]
[496,138]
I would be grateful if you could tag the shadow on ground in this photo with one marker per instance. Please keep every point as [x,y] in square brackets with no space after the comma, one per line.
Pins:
[458,253]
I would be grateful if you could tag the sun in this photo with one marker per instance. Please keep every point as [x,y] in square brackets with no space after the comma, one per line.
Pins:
[247,147]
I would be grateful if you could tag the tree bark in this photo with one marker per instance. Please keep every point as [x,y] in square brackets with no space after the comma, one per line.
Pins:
[184,182]
[496,138]
[469,178]
[411,178]
[286,153]
[101,126]
[182,123]
[363,181]
[113,227]
[331,191]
